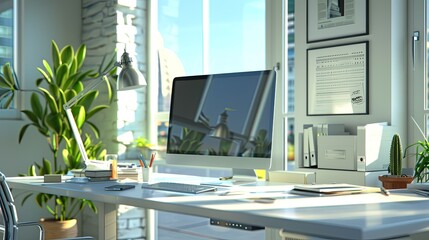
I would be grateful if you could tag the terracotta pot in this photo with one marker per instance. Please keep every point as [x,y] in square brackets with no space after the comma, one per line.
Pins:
[395,182]
[55,229]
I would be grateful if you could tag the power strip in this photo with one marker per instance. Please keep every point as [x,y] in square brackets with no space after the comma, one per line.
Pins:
[222,223]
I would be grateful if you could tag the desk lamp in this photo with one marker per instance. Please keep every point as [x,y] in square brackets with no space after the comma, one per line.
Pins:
[129,78]
[221,129]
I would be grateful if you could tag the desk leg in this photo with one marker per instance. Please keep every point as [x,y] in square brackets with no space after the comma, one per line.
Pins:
[102,225]
[151,227]
[272,234]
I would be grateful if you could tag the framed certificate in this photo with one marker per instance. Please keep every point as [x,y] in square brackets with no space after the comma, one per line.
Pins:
[337,80]
[332,19]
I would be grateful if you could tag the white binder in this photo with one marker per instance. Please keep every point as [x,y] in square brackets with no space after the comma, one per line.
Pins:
[312,139]
[372,146]
[306,150]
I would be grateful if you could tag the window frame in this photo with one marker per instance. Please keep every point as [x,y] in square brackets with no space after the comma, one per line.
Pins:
[417,72]
[15,113]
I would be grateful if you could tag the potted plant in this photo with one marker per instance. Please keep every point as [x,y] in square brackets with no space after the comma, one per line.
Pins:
[422,160]
[60,82]
[421,157]
[396,179]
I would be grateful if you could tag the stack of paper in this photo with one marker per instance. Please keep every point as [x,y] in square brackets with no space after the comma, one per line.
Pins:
[327,189]
[130,173]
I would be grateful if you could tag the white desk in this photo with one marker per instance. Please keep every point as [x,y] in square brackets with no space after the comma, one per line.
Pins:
[359,216]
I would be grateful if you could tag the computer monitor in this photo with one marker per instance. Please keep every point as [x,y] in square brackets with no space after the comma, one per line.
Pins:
[222,120]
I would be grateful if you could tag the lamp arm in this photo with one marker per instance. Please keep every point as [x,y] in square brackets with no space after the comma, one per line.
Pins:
[88,88]
[77,136]
[80,95]
[69,104]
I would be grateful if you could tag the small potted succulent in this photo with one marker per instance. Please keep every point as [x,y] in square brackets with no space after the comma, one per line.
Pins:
[395,179]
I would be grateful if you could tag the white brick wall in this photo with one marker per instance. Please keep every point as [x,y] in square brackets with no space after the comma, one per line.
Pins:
[110,25]
[131,224]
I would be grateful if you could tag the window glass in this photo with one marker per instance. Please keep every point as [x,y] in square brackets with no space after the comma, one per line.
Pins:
[6,40]
[291,86]
[427,68]
[201,37]
[6,33]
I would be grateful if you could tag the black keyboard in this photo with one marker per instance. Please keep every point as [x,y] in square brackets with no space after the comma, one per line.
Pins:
[179,187]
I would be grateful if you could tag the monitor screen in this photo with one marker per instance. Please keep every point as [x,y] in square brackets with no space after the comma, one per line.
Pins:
[222,120]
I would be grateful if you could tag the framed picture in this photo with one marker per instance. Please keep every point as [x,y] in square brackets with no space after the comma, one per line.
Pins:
[332,19]
[337,80]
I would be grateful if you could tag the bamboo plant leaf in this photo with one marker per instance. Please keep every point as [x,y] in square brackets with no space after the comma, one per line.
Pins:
[7,99]
[32,116]
[62,75]
[36,107]
[48,73]
[73,66]
[9,76]
[47,167]
[32,171]
[52,103]
[22,132]
[67,55]
[4,83]
[55,91]
[79,115]
[80,55]
[47,77]
[94,129]
[55,55]
[55,122]
[95,110]
[88,99]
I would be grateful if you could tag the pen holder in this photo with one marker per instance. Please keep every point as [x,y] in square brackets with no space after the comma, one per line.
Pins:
[146,174]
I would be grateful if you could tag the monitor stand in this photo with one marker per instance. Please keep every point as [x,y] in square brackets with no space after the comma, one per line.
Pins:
[239,177]
[244,175]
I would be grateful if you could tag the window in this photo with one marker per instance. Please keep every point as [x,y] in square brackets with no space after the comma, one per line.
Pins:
[7,52]
[418,74]
[6,32]
[200,37]
[213,39]
[290,86]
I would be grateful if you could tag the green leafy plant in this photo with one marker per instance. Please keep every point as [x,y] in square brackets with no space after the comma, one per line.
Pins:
[140,144]
[421,154]
[262,144]
[190,141]
[60,82]
[422,160]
